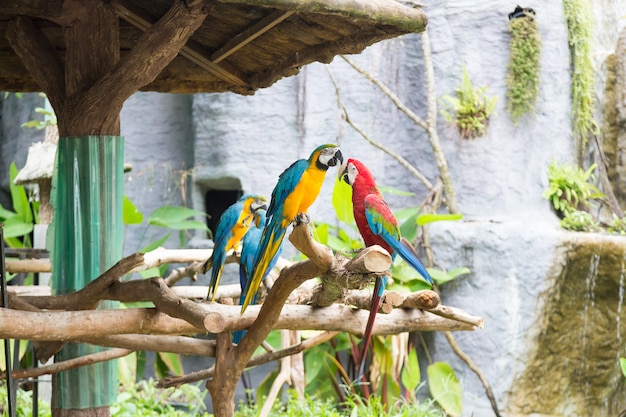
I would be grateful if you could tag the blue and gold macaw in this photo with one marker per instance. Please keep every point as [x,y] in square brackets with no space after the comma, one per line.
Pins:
[233,225]
[378,226]
[297,188]
[249,247]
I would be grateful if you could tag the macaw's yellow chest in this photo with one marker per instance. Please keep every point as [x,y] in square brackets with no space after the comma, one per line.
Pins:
[304,194]
[239,230]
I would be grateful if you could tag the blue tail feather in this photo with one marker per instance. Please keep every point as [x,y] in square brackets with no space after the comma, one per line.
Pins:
[406,251]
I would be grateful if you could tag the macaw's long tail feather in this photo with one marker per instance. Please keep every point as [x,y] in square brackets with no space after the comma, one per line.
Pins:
[216,273]
[208,264]
[379,288]
[238,335]
[407,252]
[271,242]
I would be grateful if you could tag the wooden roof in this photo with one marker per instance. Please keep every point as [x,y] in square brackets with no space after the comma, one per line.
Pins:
[241,46]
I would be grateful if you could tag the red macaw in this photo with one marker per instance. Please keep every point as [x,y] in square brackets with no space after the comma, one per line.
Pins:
[378,226]
[297,188]
[231,228]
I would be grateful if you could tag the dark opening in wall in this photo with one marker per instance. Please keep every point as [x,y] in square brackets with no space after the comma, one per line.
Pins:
[216,202]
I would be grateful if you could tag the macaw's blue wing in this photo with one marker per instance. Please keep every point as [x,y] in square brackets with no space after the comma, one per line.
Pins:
[250,246]
[383,223]
[222,235]
[275,229]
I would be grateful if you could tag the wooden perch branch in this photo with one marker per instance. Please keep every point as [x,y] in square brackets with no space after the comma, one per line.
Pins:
[88,297]
[175,344]
[57,367]
[167,301]
[256,361]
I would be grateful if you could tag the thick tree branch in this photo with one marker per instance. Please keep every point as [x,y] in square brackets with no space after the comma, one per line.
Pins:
[39,57]
[167,302]
[182,345]
[57,367]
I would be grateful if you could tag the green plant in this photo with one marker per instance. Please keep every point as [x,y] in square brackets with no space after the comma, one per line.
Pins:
[470,110]
[144,399]
[579,221]
[314,406]
[579,19]
[523,71]
[19,222]
[618,225]
[24,406]
[570,188]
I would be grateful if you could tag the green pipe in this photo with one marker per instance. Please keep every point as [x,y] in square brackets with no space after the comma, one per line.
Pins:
[87,192]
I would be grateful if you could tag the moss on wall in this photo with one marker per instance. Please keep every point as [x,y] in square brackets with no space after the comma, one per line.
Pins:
[574,368]
[523,71]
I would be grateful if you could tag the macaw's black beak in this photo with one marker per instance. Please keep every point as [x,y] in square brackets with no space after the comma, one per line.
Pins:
[342,173]
[336,160]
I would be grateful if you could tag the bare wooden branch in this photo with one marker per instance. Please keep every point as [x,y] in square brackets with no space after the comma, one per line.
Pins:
[88,297]
[255,361]
[430,125]
[425,300]
[457,314]
[28,265]
[175,344]
[57,367]
[155,290]
[481,376]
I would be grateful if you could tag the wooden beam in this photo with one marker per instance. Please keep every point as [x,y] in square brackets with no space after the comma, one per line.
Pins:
[193,51]
[249,34]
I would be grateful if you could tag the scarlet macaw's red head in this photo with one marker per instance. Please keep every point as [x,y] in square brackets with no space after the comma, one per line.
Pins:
[354,170]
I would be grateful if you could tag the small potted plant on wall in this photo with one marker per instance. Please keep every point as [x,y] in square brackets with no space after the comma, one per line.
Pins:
[470,110]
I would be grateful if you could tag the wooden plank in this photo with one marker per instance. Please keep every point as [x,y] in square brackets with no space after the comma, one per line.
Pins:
[249,34]
[193,51]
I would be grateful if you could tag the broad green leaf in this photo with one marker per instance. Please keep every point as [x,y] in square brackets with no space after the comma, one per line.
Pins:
[394,191]
[622,363]
[155,244]
[408,229]
[167,215]
[173,362]
[445,388]
[130,214]
[320,233]
[180,225]
[16,227]
[441,277]
[150,272]
[423,219]
[23,345]
[6,214]
[405,214]
[342,201]
[410,375]
[19,198]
